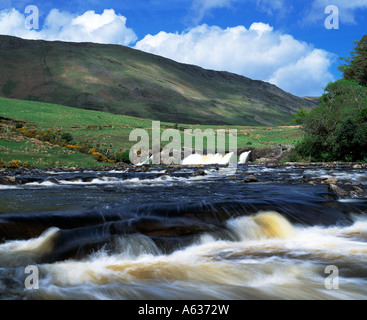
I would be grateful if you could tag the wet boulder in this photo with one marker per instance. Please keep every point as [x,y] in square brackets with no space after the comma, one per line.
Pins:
[199,172]
[9,181]
[357,192]
[341,193]
[251,179]
[330,181]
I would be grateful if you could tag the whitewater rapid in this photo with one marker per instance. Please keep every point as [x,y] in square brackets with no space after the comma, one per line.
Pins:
[174,233]
[268,258]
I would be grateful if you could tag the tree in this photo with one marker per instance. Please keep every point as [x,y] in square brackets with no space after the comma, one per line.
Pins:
[356,67]
[300,117]
[337,128]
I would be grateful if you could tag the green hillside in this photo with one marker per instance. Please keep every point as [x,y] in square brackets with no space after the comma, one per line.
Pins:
[121,80]
[108,134]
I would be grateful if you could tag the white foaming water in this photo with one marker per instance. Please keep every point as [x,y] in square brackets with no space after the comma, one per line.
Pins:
[105,180]
[272,259]
[198,159]
[7,187]
[356,175]
[17,252]
[42,184]
[244,157]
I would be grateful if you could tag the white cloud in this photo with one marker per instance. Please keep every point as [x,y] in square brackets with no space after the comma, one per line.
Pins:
[107,27]
[258,53]
[306,74]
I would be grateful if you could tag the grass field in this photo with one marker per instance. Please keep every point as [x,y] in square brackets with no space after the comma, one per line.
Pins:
[41,155]
[100,130]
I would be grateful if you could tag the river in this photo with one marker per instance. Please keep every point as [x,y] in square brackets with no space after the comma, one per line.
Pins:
[183,233]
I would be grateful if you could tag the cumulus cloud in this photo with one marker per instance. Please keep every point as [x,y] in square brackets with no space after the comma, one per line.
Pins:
[258,52]
[347,10]
[107,27]
[304,75]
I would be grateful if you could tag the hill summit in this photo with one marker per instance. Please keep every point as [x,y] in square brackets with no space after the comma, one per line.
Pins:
[122,80]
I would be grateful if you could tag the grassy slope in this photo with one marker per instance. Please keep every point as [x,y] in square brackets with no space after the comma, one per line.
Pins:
[121,80]
[107,131]
[41,155]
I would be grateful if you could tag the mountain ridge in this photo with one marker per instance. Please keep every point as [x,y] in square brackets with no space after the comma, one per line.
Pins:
[123,80]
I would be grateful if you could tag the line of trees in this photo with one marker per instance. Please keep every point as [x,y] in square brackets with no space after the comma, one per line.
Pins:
[336,130]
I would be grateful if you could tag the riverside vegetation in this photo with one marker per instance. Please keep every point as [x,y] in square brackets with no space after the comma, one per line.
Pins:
[46,135]
[336,130]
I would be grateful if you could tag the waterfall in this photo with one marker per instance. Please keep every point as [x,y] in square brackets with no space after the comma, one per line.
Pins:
[198,159]
[244,157]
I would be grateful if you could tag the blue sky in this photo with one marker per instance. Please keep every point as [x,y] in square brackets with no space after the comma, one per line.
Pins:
[284,42]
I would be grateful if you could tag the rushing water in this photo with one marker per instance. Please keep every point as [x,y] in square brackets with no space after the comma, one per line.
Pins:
[183,234]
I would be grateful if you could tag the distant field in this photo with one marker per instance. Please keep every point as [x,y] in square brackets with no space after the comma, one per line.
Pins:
[102,131]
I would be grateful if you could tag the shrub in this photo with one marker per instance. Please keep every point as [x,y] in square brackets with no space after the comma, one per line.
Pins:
[97,155]
[337,129]
[293,156]
[84,147]
[73,147]
[123,156]
[67,137]
[300,117]
[14,164]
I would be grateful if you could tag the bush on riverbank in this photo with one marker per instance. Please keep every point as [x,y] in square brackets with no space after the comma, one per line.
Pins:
[336,130]
[13,164]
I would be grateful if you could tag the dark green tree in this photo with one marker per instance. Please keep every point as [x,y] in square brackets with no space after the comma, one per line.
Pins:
[336,130]
[300,117]
[356,66]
